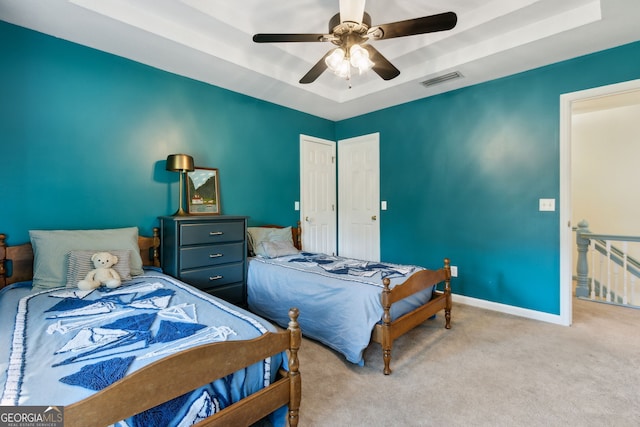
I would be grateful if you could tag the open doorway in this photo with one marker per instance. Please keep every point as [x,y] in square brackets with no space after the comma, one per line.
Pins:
[571,104]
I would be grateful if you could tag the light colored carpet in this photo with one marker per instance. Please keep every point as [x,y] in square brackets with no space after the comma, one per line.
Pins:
[490,369]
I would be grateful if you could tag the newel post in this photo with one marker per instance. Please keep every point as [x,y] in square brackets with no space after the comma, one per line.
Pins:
[582,288]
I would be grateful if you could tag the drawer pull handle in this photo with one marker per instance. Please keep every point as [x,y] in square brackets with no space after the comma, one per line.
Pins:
[216,233]
[215,278]
[215,255]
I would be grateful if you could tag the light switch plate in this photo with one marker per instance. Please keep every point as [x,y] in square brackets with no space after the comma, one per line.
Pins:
[296,205]
[548,205]
[383,205]
[454,271]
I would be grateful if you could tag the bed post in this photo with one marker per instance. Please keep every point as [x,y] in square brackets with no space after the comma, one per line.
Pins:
[156,246]
[295,383]
[3,257]
[297,238]
[447,294]
[386,326]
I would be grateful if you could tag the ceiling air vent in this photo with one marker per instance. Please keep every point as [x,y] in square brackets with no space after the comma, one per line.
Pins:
[441,79]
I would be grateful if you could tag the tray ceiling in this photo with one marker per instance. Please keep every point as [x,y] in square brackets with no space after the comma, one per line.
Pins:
[211,41]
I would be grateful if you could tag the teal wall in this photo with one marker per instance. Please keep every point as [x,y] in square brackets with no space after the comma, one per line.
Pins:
[463,171]
[84,135]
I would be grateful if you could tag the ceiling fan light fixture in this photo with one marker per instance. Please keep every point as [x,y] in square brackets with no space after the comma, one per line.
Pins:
[335,59]
[350,30]
[339,63]
[359,58]
[344,70]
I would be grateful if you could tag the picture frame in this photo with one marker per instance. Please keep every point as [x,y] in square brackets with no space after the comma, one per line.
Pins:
[203,191]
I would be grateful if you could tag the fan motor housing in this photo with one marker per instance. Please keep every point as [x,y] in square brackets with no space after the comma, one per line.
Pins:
[338,28]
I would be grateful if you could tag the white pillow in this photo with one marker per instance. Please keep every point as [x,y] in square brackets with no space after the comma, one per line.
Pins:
[50,249]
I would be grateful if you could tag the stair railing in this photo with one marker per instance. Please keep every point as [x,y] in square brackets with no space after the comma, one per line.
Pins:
[608,261]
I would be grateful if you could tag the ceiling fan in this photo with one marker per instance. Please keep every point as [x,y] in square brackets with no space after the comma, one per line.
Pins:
[350,30]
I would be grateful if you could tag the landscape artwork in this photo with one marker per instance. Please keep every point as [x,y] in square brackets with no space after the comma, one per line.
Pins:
[203,192]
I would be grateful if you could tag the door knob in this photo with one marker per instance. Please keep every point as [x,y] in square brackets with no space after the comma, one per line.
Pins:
[373,218]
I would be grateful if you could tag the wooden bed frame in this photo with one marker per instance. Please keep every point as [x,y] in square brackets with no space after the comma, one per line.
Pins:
[387,331]
[183,371]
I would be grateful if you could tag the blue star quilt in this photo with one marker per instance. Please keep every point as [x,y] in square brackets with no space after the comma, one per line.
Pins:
[60,345]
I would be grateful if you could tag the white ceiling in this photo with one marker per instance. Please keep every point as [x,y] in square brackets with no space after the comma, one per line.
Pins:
[211,41]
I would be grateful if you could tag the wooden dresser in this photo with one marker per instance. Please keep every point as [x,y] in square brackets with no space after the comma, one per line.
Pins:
[208,252]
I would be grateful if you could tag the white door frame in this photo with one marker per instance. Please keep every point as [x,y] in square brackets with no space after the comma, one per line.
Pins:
[566,234]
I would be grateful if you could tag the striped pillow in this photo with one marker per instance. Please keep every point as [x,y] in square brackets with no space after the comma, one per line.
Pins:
[80,264]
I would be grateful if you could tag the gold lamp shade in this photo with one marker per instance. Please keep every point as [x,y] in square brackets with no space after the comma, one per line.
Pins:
[181,163]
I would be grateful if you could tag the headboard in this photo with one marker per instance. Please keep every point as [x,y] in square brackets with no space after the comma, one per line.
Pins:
[16,262]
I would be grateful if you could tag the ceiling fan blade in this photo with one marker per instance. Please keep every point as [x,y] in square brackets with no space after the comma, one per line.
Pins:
[382,67]
[428,24]
[285,38]
[316,70]
[352,10]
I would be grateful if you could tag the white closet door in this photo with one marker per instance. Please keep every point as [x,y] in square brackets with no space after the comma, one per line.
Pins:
[318,195]
[359,197]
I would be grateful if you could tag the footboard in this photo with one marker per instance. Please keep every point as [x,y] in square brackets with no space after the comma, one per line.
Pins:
[190,369]
[387,331]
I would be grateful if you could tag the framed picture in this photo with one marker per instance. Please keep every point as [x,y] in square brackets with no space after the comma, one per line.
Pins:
[203,191]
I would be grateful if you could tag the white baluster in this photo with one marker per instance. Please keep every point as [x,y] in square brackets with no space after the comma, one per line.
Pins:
[625,272]
[592,248]
[607,292]
[614,293]
[601,274]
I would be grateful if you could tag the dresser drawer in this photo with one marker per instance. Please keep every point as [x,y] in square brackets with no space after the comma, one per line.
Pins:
[213,232]
[211,277]
[204,256]
[233,293]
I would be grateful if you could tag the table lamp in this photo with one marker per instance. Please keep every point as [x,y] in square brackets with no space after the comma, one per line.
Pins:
[181,163]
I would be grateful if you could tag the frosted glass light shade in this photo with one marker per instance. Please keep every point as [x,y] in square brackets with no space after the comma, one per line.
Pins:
[359,58]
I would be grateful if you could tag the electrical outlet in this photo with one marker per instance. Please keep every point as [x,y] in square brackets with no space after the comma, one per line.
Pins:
[454,271]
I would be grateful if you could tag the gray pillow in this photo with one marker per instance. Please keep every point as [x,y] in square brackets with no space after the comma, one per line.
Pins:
[281,235]
[50,249]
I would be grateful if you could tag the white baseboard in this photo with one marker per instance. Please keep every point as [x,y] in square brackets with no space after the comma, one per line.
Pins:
[508,309]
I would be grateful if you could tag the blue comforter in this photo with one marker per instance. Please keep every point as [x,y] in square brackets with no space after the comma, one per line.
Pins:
[338,298]
[59,346]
